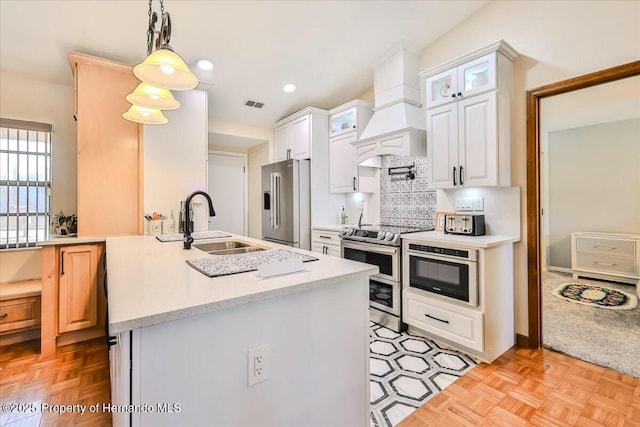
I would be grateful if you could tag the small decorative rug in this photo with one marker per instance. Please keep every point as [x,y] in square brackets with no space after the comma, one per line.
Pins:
[596,296]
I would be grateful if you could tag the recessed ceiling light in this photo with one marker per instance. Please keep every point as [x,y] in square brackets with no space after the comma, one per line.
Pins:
[205,64]
[290,87]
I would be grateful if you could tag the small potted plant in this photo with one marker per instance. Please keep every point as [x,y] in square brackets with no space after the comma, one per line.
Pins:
[65,225]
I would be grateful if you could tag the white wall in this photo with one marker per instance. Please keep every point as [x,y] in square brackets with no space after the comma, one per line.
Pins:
[33,100]
[556,40]
[594,183]
[175,159]
[258,156]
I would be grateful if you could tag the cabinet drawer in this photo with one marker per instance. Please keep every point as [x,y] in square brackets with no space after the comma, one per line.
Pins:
[445,320]
[604,263]
[19,313]
[606,246]
[327,237]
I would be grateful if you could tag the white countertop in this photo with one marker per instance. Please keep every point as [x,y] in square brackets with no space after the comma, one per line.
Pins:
[149,281]
[455,239]
[333,227]
[55,240]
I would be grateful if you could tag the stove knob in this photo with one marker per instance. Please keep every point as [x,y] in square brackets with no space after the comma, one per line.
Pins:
[389,235]
[350,231]
[343,232]
[381,235]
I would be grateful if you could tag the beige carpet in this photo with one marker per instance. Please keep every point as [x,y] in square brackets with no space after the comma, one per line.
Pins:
[609,338]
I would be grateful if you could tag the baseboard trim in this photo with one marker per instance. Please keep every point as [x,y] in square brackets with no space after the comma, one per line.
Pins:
[20,336]
[522,341]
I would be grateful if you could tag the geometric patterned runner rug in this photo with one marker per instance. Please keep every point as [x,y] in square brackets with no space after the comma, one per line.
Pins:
[596,296]
[408,370]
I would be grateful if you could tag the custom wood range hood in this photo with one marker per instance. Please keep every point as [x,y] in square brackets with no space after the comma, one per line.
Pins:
[397,125]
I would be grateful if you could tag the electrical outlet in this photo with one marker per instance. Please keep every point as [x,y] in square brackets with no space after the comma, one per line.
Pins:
[478,204]
[463,204]
[258,364]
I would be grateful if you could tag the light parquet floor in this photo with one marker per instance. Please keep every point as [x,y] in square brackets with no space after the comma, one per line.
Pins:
[534,388]
[79,374]
[522,388]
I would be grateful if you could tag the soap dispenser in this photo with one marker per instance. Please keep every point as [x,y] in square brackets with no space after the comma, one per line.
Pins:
[343,216]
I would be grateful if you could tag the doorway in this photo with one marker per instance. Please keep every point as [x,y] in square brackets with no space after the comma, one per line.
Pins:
[534,183]
[227,186]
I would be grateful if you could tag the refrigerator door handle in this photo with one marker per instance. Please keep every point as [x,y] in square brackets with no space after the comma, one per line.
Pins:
[277,180]
[271,207]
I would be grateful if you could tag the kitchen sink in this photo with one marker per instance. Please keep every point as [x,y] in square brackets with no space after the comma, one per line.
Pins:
[229,247]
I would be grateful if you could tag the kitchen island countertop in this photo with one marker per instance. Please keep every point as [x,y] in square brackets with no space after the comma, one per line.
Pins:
[149,281]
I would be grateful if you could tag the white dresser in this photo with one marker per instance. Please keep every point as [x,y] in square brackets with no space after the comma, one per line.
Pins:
[609,256]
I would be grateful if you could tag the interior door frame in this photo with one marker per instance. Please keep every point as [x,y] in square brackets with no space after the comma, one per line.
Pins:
[534,183]
[245,184]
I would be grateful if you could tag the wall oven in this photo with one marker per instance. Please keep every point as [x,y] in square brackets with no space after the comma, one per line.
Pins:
[449,273]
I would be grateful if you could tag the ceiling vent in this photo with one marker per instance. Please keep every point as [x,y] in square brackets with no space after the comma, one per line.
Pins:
[254,104]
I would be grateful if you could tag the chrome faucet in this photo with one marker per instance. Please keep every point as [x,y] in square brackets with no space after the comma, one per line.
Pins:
[187,239]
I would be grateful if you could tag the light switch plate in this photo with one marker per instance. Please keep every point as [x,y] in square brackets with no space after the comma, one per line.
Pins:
[478,204]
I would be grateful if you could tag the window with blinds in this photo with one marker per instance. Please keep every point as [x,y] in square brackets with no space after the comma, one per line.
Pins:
[25,183]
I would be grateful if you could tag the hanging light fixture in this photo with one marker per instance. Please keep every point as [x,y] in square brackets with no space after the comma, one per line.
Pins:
[162,70]
[163,67]
[147,116]
[148,96]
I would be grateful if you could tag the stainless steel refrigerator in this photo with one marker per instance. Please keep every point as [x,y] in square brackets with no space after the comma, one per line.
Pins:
[286,203]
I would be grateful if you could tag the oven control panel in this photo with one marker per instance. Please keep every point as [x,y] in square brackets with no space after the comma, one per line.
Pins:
[458,253]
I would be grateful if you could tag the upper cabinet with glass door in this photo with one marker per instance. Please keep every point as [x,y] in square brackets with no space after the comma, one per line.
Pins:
[469,79]
[465,76]
[349,117]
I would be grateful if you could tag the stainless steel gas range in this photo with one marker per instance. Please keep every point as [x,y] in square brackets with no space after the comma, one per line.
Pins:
[381,246]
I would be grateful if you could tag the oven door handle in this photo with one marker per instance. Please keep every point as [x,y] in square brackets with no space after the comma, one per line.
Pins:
[369,247]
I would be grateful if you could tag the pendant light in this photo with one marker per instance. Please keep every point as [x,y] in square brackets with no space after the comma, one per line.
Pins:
[163,67]
[147,116]
[148,96]
[162,70]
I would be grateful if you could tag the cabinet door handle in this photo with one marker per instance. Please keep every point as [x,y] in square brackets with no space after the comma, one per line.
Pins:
[459,94]
[4,316]
[62,263]
[435,318]
[354,183]
[288,153]
[610,248]
[324,237]
[454,176]
[461,182]
[608,264]
[453,95]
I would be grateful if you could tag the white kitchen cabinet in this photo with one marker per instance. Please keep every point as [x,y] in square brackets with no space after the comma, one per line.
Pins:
[463,143]
[305,135]
[468,104]
[293,139]
[326,241]
[345,175]
[346,123]
[484,331]
[608,256]
[471,78]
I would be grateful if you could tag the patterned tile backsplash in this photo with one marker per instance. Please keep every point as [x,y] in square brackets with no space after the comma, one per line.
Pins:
[406,202]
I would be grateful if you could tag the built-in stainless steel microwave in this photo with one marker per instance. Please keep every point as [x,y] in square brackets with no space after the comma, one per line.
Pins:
[447,272]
